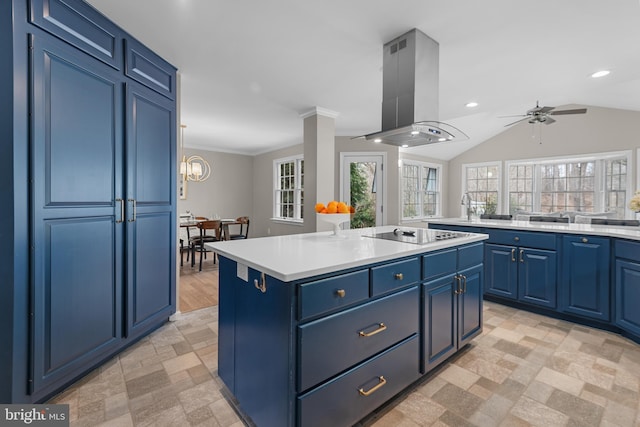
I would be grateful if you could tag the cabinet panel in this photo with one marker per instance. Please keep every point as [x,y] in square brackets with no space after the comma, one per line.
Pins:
[523,238]
[324,295]
[628,295]
[439,263]
[80,25]
[585,287]
[394,275]
[147,68]
[470,255]
[470,305]
[440,314]
[537,277]
[501,270]
[339,402]
[355,335]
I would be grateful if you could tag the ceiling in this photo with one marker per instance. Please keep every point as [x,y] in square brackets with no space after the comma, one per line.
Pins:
[249,68]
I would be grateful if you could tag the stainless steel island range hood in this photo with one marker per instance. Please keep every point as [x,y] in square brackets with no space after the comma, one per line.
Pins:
[410,94]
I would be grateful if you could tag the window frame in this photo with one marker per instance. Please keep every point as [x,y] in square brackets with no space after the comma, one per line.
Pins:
[500,186]
[298,216]
[421,191]
[600,175]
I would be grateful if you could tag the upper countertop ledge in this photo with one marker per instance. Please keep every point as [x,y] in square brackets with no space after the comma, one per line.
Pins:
[632,233]
[300,256]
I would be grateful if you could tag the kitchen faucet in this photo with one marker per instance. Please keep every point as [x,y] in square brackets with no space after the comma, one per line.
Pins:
[466,201]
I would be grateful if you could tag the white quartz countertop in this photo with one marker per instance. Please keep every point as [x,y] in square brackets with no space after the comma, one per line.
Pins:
[632,233]
[299,256]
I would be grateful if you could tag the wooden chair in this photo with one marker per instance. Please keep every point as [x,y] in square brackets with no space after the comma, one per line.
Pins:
[197,242]
[243,221]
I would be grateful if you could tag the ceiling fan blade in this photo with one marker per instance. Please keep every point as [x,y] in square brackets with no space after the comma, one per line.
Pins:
[517,121]
[548,121]
[545,109]
[576,111]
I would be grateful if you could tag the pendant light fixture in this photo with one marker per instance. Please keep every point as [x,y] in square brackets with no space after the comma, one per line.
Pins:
[194,168]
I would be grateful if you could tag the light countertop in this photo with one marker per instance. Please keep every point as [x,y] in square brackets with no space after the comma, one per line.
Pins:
[299,256]
[632,233]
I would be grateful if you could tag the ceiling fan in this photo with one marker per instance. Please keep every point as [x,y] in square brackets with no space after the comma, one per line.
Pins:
[542,115]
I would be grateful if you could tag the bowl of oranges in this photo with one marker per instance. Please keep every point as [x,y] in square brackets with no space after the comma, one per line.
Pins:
[335,213]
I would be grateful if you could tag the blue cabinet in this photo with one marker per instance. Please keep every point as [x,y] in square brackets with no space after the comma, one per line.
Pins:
[628,286]
[522,266]
[452,302]
[585,288]
[102,196]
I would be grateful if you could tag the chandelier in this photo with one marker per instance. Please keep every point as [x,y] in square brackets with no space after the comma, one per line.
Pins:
[194,168]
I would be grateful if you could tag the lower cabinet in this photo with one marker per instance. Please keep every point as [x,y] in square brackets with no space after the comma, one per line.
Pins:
[452,302]
[628,286]
[330,350]
[585,287]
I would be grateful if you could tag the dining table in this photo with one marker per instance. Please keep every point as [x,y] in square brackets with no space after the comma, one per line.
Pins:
[225,223]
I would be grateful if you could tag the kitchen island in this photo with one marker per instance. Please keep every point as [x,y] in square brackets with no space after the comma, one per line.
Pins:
[316,329]
[583,273]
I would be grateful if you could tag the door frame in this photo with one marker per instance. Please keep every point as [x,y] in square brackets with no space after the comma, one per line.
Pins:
[367,156]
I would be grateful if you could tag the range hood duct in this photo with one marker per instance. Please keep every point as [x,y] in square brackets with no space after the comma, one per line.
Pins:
[410,94]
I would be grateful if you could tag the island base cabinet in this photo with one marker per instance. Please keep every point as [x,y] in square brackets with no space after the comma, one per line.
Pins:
[628,296]
[344,400]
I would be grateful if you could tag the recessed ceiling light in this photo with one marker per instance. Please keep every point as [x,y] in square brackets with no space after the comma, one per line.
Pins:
[600,73]
[377,140]
[414,132]
[442,139]
[471,104]
[405,145]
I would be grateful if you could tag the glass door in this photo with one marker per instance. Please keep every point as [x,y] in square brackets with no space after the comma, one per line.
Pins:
[362,186]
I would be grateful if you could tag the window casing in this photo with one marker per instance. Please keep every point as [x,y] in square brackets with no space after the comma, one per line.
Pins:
[421,190]
[288,189]
[482,183]
[583,184]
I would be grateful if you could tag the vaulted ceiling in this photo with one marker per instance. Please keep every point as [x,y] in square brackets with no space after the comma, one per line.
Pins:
[249,68]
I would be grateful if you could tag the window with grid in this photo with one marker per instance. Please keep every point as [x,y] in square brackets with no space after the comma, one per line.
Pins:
[586,184]
[420,190]
[482,183]
[289,189]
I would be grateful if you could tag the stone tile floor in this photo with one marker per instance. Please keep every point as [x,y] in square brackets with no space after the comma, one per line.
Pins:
[524,370]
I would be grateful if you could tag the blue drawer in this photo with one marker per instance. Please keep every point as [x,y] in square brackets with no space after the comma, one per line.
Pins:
[523,238]
[333,293]
[340,402]
[627,249]
[394,276]
[471,255]
[440,263]
[330,345]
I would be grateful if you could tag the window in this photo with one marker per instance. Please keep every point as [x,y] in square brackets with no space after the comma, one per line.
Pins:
[482,183]
[585,184]
[288,188]
[420,190]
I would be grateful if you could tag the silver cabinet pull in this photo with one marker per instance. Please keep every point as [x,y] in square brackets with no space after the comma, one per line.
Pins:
[513,255]
[133,205]
[517,239]
[521,255]
[458,289]
[121,219]
[585,240]
[464,284]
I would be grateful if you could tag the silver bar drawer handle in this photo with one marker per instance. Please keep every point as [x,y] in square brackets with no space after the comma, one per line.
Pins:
[121,219]
[458,288]
[521,255]
[398,276]
[381,327]
[133,204]
[381,382]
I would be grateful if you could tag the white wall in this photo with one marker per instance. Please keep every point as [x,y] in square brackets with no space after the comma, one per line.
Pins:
[599,130]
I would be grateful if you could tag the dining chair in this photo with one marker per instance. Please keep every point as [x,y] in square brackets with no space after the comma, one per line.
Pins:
[243,221]
[197,243]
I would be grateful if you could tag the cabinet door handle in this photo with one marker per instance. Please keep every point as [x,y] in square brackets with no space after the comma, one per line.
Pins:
[121,219]
[464,284]
[456,289]
[381,382]
[585,240]
[398,276]
[521,255]
[381,327]
[133,205]
[341,293]
[513,255]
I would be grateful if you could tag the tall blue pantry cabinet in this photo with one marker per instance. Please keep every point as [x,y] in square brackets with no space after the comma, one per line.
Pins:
[87,173]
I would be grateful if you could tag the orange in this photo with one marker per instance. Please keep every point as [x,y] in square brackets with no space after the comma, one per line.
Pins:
[324,210]
[332,208]
[319,207]
[343,208]
[352,209]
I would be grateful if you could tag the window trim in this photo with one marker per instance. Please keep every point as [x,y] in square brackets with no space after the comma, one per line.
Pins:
[463,182]
[575,158]
[421,164]
[298,191]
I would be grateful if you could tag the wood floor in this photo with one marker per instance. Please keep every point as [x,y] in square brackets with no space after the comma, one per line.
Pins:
[198,289]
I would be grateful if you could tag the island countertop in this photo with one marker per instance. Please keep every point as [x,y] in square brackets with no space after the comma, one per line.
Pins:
[631,233]
[299,256]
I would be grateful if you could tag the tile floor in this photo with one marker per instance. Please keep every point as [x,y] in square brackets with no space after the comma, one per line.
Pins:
[524,370]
